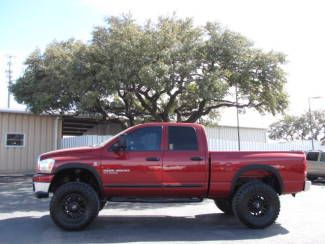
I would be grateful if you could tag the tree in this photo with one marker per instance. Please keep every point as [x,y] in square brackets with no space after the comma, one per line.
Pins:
[299,128]
[163,71]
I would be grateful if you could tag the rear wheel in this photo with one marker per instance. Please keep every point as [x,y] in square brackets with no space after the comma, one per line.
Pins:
[256,205]
[74,205]
[224,205]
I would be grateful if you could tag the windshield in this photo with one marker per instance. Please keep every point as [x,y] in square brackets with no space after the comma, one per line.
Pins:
[110,139]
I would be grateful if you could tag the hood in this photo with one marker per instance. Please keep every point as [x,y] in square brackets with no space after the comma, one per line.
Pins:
[67,151]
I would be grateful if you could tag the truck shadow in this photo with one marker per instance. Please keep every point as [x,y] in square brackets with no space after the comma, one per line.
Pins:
[118,229]
[18,195]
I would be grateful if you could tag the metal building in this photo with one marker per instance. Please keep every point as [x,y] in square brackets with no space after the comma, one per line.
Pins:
[230,133]
[23,137]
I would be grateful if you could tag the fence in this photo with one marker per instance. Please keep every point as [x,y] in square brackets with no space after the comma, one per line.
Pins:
[224,145]
[79,141]
[214,144]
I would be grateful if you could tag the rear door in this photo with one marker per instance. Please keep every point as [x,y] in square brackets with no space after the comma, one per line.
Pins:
[185,171]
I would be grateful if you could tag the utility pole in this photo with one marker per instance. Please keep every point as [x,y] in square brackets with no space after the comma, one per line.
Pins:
[311,121]
[9,74]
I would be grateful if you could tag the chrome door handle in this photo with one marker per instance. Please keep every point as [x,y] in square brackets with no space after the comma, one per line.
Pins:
[153,159]
[196,158]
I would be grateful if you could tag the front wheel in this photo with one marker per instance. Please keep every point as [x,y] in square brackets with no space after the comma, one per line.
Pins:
[74,206]
[256,205]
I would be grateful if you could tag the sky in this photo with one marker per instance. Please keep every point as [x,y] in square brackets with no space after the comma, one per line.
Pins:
[295,28]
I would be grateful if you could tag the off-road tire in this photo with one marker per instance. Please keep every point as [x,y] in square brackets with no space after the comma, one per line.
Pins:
[224,205]
[256,205]
[63,211]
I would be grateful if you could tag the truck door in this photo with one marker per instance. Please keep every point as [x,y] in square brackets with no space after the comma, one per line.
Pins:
[185,168]
[135,171]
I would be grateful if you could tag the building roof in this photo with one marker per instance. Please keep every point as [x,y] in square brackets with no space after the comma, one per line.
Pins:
[17,111]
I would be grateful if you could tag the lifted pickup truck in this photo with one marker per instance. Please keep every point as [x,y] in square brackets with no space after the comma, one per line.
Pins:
[163,161]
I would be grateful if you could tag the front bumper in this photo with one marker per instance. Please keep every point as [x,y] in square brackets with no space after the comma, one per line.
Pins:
[41,185]
[307,185]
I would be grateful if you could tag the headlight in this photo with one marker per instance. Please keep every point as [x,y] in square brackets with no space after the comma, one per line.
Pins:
[46,165]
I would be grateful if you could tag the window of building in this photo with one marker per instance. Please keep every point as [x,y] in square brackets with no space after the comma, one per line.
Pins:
[15,140]
[182,138]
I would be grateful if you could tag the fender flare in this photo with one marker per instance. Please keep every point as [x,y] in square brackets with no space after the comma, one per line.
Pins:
[76,165]
[263,167]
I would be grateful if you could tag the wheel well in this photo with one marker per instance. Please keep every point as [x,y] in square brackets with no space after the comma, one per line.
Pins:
[267,177]
[75,175]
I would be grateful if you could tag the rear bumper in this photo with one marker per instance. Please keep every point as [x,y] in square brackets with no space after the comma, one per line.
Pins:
[41,185]
[307,185]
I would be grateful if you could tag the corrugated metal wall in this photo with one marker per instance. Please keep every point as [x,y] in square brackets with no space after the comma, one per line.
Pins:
[41,134]
[80,141]
[230,133]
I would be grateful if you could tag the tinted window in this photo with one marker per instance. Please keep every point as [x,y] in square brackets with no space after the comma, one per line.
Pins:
[15,140]
[322,157]
[144,139]
[312,156]
[182,138]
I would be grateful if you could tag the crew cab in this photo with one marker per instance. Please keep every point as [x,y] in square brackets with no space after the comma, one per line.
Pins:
[162,161]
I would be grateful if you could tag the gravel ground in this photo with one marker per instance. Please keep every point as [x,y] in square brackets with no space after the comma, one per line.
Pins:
[25,219]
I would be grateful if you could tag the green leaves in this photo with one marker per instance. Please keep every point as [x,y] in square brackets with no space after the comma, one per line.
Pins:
[164,70]
[301,127]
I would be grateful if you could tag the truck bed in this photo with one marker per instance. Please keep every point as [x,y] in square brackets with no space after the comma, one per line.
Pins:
[226,167]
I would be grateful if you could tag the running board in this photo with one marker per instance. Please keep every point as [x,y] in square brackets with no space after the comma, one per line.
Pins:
[156,200]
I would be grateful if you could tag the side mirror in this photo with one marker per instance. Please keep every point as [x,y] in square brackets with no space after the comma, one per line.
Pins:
[121,145]
[123,142]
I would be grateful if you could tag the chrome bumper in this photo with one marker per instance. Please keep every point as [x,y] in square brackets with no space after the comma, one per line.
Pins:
[307,185]
[41,189]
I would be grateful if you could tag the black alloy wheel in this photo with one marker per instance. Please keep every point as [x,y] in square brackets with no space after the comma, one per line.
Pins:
[256,205]
[74,206]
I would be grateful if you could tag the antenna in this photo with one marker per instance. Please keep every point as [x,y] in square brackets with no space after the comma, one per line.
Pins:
[9,74]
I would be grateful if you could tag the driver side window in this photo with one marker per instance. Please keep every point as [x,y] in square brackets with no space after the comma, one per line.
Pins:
[144,139]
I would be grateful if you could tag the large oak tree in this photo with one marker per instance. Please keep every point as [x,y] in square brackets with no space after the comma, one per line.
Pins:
[165,70]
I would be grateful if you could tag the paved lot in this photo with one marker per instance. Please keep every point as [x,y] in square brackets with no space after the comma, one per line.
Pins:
[24,219]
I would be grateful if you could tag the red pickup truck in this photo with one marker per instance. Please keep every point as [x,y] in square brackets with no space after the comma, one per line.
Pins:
[163,161]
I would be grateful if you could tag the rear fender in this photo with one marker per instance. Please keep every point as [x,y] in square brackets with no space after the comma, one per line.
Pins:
[259,171]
